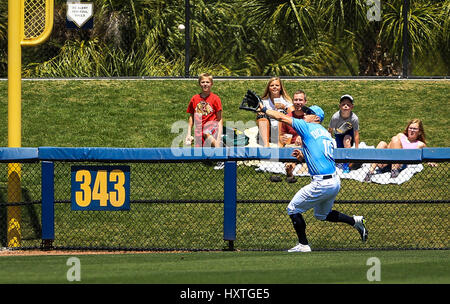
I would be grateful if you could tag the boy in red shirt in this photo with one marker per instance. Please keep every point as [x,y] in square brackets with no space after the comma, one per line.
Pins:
[205,111]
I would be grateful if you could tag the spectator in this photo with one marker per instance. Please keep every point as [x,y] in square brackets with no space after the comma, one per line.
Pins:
[205,111]
[292,137]
[275,97]
[413,137]
[289,137]
[344,125]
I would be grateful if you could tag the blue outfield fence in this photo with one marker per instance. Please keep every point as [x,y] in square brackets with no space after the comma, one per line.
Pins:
[181,198]
[192,154]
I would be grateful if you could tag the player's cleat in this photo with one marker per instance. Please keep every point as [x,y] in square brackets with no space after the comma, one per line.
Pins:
[361,227]
[300,248]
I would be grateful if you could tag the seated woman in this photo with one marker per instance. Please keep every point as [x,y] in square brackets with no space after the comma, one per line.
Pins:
[274,97]
[413,137]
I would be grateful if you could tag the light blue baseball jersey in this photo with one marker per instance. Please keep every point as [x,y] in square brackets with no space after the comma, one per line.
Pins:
[317,148]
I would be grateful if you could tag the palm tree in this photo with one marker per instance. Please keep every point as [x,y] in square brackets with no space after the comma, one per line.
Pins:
[443,36]
[423,24]
[130,38]
[378,44]
[282,37]
[3,37]
[237,37]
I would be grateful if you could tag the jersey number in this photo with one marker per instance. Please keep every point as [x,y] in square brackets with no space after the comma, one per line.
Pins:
[328,148]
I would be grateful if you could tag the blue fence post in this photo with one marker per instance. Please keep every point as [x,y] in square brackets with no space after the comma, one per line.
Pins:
[230,197]
[48,208]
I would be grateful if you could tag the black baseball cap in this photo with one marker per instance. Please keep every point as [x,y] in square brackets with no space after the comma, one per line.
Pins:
[346,96]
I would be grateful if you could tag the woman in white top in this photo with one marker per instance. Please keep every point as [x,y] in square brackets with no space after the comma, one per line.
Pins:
[274,97]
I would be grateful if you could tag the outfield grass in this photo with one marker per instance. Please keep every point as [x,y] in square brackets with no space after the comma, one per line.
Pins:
[141,113]
[399,267]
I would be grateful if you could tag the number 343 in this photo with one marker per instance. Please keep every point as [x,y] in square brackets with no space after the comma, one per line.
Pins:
[100,188]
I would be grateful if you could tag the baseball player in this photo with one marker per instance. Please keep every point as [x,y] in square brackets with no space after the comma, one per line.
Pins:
[320,194]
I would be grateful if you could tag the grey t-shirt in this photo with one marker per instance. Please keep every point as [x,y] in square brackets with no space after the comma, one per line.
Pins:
[341,126]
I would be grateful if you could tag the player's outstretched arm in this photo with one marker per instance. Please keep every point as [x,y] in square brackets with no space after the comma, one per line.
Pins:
[276,115]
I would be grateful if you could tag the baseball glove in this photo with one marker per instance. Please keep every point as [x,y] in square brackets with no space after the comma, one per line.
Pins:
[346,126]
[250,102]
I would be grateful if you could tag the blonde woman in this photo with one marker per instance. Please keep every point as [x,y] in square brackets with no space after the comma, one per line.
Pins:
[275,97]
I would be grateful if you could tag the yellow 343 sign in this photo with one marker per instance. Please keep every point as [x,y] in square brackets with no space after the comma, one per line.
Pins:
[100,187]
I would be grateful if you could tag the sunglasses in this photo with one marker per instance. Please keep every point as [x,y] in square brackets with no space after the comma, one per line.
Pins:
[308,111]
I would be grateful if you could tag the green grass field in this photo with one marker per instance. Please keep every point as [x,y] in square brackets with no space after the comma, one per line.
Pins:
[337,267]
[140,113]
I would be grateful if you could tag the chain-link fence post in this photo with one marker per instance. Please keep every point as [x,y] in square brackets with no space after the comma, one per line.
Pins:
[230,198]
[48,208]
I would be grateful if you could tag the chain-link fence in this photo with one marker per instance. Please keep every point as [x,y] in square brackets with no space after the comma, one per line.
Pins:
[413,214]
[20,204]
[180,205]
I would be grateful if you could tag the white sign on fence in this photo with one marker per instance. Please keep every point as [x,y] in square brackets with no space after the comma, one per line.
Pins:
[79,13]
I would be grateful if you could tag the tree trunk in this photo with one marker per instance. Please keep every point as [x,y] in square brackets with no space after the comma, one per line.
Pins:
[375,60]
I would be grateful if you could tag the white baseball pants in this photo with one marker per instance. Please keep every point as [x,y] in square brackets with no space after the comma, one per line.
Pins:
[319,194]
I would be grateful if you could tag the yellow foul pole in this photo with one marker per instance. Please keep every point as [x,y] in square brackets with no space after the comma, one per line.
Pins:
[29,23]
[14,236]
[14,74]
